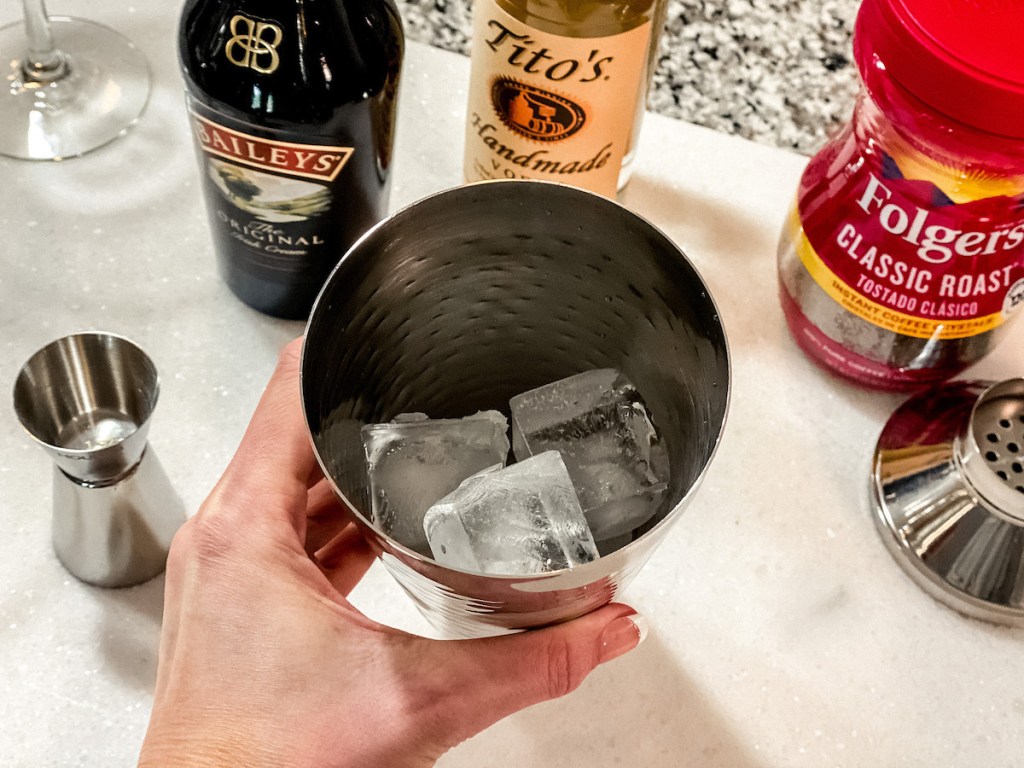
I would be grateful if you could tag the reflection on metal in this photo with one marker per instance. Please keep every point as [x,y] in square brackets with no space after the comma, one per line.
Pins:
[949,489]
[87,399]
[476,294]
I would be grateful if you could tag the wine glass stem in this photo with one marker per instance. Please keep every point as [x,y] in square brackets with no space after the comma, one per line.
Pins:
[44,62]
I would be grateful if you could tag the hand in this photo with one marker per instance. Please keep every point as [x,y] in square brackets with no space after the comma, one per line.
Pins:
[263,661]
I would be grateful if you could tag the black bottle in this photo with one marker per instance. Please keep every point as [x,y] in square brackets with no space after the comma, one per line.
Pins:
[292,105]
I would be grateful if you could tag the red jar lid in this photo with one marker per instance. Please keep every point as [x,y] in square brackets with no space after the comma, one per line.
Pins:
[964,58]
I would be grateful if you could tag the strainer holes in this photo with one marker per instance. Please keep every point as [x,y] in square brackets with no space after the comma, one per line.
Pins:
[1012,447]
[1004,423]
[991,456]
[1020,488]
[1016,467]
[1002,475]
[992,437]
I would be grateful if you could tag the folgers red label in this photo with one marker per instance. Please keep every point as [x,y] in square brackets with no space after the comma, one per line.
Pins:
[899,253]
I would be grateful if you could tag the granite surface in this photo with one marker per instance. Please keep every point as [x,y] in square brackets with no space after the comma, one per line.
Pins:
[779,72]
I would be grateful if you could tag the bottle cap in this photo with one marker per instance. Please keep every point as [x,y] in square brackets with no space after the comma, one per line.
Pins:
[948,487]
[960,57]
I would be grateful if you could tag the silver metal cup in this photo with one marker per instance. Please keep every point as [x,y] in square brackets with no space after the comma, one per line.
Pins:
[478,293]
[948,486]
[87,400]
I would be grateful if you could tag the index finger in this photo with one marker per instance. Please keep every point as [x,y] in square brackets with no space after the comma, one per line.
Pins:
[274,463]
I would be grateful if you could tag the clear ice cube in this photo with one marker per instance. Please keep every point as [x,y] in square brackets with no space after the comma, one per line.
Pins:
[520,520]
[599,424]
[414,461]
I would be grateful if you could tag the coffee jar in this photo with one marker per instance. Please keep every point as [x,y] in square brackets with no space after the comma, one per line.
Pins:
[902,260]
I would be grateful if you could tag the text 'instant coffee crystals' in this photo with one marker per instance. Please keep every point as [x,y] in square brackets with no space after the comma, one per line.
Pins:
[903,259]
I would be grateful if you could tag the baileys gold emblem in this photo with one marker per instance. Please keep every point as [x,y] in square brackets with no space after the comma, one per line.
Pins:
[253,44]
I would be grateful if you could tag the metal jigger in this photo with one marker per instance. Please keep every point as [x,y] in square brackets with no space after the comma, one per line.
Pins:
[949,492]
[87,399]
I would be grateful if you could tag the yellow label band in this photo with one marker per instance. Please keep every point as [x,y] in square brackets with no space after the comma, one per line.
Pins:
[878,314]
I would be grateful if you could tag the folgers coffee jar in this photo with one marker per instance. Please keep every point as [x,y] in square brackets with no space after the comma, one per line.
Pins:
[902,261]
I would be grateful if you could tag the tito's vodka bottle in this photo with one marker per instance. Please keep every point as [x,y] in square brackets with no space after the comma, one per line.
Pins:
[292,105]
[558,87]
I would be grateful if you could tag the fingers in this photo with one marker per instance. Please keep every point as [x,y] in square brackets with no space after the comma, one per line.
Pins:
[274,463]
[326,516]
[492,678]
[345,559]
[268,475]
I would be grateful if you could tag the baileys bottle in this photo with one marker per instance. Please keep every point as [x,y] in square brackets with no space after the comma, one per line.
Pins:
[292,108]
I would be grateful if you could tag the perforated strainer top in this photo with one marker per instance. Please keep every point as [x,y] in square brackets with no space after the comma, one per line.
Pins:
[993,454]
[948,481]
[999,430]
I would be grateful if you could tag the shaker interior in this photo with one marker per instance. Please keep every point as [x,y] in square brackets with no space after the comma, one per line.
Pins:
[471,297]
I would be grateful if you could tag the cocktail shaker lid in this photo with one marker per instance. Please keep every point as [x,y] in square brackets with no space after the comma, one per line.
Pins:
[948,488]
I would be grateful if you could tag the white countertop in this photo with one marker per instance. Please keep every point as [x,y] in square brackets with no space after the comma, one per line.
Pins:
[782,633]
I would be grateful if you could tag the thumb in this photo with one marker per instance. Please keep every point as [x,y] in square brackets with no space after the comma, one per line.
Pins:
[494,677]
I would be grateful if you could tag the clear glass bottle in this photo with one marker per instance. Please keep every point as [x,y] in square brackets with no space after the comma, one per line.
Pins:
[558,89]
[902,261]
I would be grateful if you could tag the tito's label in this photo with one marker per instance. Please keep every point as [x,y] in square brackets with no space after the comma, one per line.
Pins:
[900,254]
[547,107]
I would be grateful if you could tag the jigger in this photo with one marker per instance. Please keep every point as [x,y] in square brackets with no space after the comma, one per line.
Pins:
[87,400]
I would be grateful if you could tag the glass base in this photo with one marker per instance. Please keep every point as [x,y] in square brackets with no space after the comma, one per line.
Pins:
[104,88]
[840,361]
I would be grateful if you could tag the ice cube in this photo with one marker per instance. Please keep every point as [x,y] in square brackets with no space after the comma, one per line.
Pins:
[520,520]
[413,461]
[599,424]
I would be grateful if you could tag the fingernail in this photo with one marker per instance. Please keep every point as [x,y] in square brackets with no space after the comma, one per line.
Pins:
[331,553]
[623,634]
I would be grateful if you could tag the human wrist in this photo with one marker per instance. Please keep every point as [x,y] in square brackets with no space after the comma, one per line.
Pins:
[205,747]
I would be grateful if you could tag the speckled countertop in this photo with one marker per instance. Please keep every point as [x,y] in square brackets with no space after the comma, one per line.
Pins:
[782,634]
[778,72]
